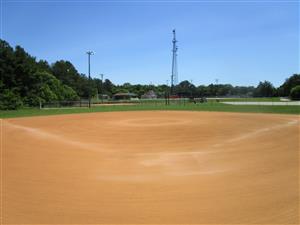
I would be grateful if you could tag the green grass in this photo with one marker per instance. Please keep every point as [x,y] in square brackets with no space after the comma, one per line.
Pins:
[219,107]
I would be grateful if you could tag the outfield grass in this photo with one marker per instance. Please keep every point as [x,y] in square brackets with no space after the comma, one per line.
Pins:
[191,107]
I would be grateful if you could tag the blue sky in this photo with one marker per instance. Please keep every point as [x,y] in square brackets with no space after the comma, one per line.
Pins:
[237,42]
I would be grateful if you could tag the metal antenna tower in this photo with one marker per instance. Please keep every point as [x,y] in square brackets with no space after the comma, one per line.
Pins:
[174,76]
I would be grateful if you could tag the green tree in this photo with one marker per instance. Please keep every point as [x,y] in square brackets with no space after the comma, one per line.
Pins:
[65,72]
[67,93]
[25,66]
[286,87]
[295,93]
[43,65]
[68,75]
[46,88]
[224,90]
[202,91]
[185,89]
[264,89]
[9,98]
[7,65]
[108,87]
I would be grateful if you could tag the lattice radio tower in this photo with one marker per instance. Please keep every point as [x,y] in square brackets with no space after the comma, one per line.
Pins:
[174,76]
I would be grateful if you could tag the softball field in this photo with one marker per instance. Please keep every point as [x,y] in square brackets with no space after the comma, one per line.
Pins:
[151,167]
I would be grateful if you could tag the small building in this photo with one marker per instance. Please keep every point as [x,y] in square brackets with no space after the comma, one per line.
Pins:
[149,95]
[104,96]
[125,96]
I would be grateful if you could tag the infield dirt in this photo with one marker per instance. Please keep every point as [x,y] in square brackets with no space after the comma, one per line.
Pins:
[151,167]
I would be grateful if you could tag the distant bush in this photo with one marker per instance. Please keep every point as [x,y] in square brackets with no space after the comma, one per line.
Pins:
[295,93]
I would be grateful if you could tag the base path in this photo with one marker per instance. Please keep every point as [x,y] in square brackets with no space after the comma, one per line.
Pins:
[151,167]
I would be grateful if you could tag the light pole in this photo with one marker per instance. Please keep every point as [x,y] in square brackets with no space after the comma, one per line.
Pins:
[217,80]
[89,53]
[101,87]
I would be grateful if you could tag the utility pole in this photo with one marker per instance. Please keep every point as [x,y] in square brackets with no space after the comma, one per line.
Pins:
[101,87]
[174,76]
[89,53]
[217,81]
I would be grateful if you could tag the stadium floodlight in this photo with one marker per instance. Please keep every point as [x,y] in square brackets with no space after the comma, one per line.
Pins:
[89,53]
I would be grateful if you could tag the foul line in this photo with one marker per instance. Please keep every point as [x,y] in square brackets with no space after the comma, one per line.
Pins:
[38,133]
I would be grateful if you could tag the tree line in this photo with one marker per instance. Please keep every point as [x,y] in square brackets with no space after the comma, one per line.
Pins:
[26,81]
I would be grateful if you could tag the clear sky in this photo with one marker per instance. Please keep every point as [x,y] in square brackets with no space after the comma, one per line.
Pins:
[237,42]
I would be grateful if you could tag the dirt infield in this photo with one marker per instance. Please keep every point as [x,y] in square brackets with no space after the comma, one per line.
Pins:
[151,167]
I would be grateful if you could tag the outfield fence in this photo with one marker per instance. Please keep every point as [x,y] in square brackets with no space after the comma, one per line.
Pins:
[65,104]
[167,101]
[94,103]
[157,101]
